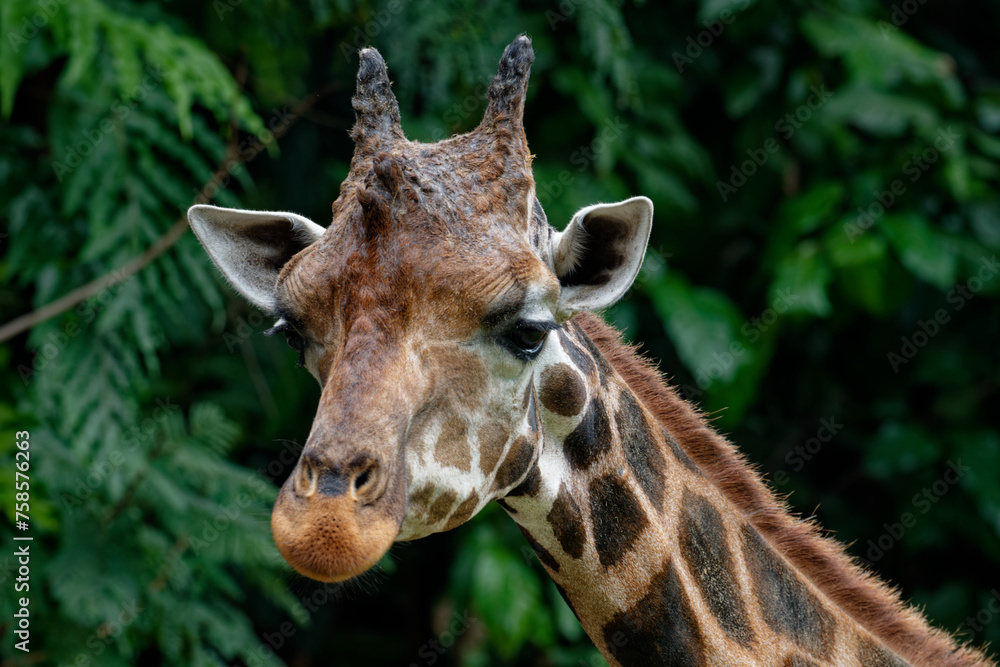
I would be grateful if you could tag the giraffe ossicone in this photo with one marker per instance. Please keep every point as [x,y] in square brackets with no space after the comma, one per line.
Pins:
[448,325]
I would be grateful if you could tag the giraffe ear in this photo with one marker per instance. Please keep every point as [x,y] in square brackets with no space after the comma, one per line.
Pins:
[599,254]
[250,247]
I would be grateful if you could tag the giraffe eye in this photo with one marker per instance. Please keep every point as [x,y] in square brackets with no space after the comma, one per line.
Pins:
[297,343]
[528,337]
[294,339]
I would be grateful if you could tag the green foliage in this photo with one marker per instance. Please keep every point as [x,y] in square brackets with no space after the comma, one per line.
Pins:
[145,533]
[824,178]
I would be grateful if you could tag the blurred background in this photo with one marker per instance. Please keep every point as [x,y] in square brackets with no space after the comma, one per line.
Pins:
[822,278]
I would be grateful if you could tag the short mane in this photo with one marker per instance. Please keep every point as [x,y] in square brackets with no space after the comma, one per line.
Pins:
[857,592]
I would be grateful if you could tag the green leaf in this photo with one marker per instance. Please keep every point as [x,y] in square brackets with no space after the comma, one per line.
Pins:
[595,101]
[505,593]
[712,10]
[922,249]
[978,459]
[801,279]
[756,347]
[985,219]
[900,448]
[881,113]
[162,486]
[670,190]
[759,74]
[12,48]
[878,54]
[988,111]
[808,211]
[860,263]
[957,173]
[703,325]
[83,39]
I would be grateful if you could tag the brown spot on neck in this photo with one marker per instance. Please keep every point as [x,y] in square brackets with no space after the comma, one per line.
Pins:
[661,629]
[590,439]
[786,603]
[821,560]
[567,523]
[642,451]
[562,390]
[704,545]
[617,517]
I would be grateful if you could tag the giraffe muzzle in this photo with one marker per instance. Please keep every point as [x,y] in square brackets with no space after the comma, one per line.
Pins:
[333,520]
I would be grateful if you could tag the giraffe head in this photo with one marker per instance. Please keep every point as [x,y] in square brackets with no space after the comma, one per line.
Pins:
[427,311]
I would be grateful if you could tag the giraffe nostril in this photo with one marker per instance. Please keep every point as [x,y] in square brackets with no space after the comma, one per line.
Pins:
[367,481]
[362,479]
[306,478]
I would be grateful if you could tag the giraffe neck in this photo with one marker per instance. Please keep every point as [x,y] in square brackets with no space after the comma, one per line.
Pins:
[670,550]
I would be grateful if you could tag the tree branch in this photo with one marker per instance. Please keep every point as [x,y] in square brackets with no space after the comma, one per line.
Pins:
[136,264]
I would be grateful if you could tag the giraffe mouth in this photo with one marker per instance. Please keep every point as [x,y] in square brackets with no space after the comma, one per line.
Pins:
[331,529]
[326,542]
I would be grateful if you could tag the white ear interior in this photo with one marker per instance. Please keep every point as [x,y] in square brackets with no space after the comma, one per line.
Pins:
[250,247]
[599,254]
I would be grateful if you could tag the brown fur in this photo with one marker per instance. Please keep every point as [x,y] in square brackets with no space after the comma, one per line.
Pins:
[872,603]
[327,539]
[453,445]
[492,438]
[464,512]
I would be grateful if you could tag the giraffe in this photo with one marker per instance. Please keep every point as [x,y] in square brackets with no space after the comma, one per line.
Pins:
[451,330]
